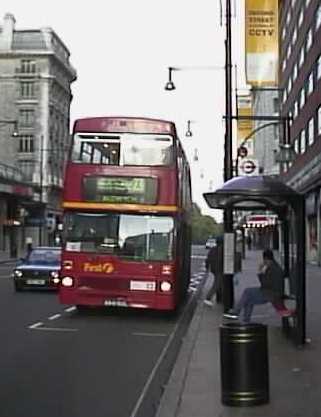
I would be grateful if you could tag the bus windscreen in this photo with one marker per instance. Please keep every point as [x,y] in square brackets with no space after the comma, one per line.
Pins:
[135,237]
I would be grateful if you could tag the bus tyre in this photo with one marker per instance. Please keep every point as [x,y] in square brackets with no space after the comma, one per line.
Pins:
[81,308]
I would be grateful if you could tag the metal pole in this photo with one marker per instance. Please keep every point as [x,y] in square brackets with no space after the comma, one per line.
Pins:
[41,187]
[227,287]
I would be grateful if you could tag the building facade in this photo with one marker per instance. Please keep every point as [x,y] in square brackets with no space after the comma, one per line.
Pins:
[266,139]
[300,81]
[35,94]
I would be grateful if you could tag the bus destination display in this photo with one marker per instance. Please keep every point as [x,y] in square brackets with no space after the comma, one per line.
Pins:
[130,190]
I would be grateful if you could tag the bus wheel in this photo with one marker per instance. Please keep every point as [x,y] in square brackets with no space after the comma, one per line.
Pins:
[82,308]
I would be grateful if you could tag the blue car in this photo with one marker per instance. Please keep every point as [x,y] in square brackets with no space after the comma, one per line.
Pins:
[39,270]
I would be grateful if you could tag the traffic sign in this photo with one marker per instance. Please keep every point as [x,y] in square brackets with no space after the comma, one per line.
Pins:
[249,167]
[242,151]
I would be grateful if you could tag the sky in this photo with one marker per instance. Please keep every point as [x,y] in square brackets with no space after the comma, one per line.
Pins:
[121,50]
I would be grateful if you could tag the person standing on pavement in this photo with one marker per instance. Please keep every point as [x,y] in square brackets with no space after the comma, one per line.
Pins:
[249,242]
[271,277]
[214,263]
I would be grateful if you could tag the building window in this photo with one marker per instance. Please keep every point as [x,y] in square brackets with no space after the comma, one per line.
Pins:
[27,89]
[288,52]
[289,85]
[288,18]
[318,18]
[295,35]
[310,84]
[319,67]
[300,21]
[26,117]
[296,145]
[276,105]
[309,40]
[311,131]
[302,98]
[27,66]
[295,71]
[26,143]
[27,167]
[302,142]
[301,58]
[296,110]
[319,120]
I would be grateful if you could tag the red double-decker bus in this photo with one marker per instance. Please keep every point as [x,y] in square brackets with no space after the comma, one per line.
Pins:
[127,215]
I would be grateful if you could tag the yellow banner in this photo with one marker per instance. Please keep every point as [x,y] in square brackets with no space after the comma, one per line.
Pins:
[245,127]
[261,42]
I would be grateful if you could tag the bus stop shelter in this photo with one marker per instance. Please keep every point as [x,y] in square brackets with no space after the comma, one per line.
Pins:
[259,193]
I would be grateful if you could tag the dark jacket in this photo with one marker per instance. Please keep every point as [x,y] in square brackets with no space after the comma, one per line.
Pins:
[214,260]
[272,281]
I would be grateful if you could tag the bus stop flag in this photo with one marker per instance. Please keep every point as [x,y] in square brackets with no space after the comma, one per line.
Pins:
[261,42]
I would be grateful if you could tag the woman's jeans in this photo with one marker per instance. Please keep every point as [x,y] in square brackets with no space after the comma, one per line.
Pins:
[251,296]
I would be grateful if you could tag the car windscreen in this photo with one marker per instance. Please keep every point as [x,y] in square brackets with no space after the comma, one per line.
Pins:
[44,257]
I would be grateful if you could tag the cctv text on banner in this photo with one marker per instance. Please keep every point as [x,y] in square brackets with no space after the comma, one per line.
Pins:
[261,42]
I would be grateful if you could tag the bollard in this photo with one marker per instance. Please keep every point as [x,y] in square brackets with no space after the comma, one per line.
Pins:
[244,364]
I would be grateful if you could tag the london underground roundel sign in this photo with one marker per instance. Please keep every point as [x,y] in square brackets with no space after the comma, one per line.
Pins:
[248,166]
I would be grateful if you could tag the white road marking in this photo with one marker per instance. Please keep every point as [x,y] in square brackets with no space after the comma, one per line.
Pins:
[70,309]
[198,257]
[54,317]
[149,334]
[34,326]
[55,329]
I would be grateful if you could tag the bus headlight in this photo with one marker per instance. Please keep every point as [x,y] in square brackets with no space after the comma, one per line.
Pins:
[67,282]
[165,286]
[17,273]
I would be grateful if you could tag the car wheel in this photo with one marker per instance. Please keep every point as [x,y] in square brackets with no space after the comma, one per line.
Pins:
[18,287]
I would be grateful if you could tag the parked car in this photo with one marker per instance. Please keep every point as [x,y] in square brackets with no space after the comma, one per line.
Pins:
[39,270]
[210,243]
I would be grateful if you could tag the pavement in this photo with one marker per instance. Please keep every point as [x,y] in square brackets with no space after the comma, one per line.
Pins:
[194,387]
[4,258]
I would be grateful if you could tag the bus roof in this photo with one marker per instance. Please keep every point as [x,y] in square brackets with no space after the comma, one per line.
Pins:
[124,125]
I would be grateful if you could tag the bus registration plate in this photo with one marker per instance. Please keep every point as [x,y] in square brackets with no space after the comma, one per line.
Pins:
[115,303]
[143,285]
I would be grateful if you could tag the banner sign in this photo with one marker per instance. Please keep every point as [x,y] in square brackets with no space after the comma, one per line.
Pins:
[245,127]
[261,42]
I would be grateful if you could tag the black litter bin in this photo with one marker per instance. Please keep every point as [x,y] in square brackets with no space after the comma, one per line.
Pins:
[244,364]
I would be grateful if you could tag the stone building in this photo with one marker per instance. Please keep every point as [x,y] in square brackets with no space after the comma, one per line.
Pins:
[267,139]
[35,97]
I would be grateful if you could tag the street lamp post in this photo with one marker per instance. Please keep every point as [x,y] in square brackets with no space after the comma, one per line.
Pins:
[286,154]
[41,188]
[189,133]
[227,287]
